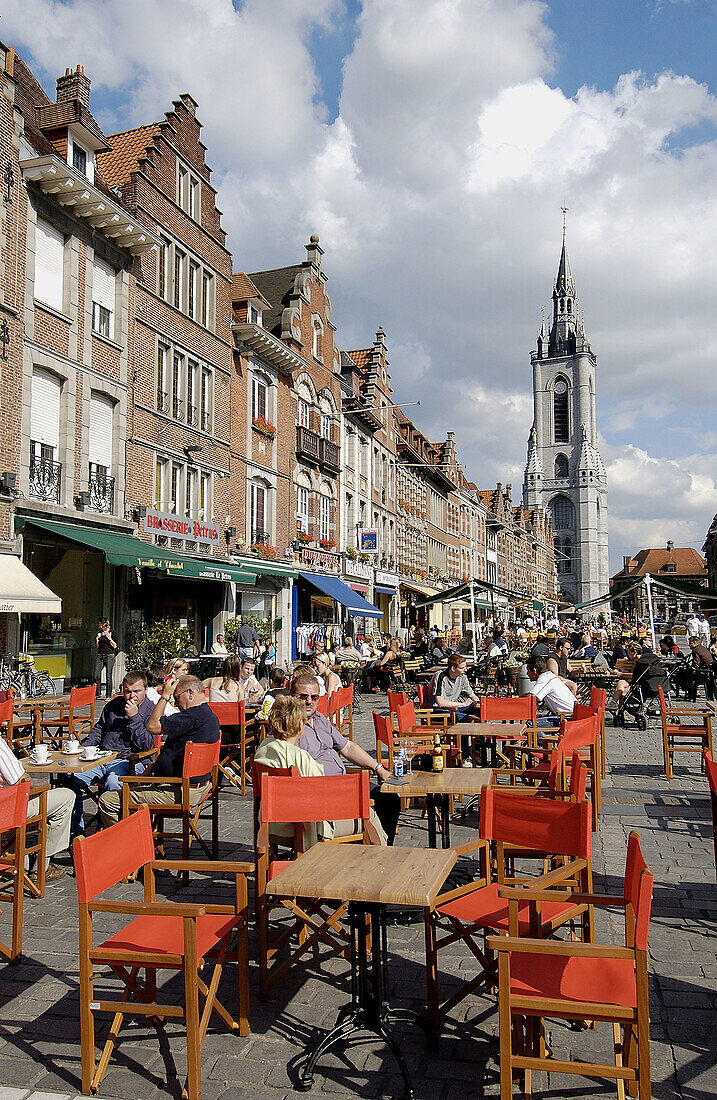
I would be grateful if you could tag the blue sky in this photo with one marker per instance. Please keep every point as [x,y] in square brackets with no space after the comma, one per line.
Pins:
[431,144]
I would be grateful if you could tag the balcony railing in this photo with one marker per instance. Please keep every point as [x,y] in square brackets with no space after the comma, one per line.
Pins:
[259,537]
[307,444]
[45,479]
[329,455]
[163,401]
[192,415]
[102,489]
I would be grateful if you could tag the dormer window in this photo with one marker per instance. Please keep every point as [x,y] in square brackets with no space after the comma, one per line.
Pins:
[253,315]
[79,158]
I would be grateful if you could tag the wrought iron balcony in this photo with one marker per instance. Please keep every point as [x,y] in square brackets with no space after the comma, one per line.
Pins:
[45,479]
[102,489]
[329,455]
[307,444]
[259,537]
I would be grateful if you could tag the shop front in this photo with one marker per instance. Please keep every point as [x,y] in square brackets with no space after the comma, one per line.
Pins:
[269,599]
[24,594]
[386,597]
[102,572]
[412,613]
[358,576]
[323,604]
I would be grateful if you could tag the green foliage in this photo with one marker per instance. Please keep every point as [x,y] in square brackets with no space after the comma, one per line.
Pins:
[159,642]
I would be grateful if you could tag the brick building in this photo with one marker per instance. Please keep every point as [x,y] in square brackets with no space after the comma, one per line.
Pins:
[69,249]
[678,563]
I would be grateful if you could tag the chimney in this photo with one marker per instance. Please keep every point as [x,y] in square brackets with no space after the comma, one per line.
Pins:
[670,546]
[626,562]
[74,86]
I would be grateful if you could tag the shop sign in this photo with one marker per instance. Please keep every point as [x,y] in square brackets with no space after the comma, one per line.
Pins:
[389,579]
[358,569]
[180,527]
[322,558]
[368,540]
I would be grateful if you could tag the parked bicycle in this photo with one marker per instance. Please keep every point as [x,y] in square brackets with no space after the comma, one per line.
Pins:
[19,675]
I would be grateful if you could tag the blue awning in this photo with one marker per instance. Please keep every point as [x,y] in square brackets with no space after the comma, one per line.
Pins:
[386,591]
[332,586]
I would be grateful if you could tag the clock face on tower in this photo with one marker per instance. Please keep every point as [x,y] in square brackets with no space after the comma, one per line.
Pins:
[561,386]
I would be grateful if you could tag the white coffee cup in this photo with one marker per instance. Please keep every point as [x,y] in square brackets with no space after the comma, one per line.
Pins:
[40,754]
[91,752]
[71,746]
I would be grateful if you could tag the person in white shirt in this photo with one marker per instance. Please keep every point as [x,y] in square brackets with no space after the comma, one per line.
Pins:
[219,649]
[60,801]
[549,689]
[693,626]
[253,691]
[705,631]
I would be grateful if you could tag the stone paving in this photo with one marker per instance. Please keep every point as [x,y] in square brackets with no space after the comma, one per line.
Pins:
[39,1031]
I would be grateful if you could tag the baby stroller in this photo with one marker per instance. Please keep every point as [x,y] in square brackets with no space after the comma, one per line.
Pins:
[641,701]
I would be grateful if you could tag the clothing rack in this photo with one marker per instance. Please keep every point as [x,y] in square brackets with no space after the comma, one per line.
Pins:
[310,635]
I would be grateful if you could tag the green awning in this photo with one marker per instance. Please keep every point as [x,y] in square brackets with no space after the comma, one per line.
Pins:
[130,551]
[268,568]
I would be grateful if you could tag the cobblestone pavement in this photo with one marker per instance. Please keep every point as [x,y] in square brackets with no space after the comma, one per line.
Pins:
[39,1032]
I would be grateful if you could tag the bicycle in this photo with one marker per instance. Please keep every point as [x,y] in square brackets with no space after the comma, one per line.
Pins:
[19,675]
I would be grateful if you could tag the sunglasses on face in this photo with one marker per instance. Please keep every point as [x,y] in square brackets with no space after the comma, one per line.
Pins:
[308,698]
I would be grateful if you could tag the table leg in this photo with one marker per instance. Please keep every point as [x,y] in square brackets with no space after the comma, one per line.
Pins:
[431,814]
[369,1009]
[445,820]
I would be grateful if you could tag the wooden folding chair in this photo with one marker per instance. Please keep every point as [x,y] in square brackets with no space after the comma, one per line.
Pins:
[340,711]
[298,802]
[322,707]
[681,736]
[199,759]
[597,703]
[13,821]
[427,716]
[536,828]
[162,936]
[579,981]
[238,743]
[68,723]
[571,786]
[581,736]
[520,708]
[711,769]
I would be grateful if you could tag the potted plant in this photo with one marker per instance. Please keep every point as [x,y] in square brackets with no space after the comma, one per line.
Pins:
[327,544]
[268,553]
[264,427]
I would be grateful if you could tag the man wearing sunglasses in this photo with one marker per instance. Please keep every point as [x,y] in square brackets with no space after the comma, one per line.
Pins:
[194,721]
[331,749]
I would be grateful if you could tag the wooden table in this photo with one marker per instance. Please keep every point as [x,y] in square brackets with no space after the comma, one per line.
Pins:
[64,763]
[37,705]
[436,787]
[369,877]
[486,732]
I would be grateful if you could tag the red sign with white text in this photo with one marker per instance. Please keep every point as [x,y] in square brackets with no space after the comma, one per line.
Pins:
[180,527]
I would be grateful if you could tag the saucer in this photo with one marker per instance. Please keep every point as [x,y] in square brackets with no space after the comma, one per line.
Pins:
[89,758]
[73,752]
[45,760]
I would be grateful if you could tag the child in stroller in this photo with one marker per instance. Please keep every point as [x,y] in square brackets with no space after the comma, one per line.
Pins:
[632,700]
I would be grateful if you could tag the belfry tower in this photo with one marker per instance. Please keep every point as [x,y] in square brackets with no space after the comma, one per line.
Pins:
[564,472]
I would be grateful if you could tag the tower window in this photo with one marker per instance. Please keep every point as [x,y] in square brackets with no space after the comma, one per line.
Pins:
[560,412]
[563,514]
[561,466]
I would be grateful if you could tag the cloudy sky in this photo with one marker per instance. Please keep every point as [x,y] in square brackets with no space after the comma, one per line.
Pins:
[431,144]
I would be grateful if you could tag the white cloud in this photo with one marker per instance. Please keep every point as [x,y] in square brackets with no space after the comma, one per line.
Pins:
[436,194]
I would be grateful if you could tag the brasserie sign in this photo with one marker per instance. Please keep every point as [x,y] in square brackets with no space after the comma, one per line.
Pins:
[180,527]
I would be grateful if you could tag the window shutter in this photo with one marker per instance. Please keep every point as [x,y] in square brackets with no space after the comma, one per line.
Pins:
[101,410]
[103,284]
[45,410]
[49,257]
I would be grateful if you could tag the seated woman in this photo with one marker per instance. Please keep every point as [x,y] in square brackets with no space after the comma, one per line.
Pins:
[227,687]
[329,682]
[376,676]
[279,750]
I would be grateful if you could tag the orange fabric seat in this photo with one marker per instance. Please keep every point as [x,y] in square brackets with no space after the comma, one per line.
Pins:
[166,936]
[599,981]
[485,908]
[277,865]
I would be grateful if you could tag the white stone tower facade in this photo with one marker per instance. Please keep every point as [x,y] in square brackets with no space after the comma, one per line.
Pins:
[564,472]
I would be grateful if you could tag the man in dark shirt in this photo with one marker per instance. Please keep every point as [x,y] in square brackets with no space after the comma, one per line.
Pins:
[121,728]
[247,640]
[106,653]
[702,671]
[195,722]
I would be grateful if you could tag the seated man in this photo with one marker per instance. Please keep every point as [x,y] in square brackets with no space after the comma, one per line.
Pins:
[347,654]
[558,662]
[121,728]
[451,690]
[194,721]
[330,749]
[549,689]
[702,671]
[219,648]
[253,691]
[59,811]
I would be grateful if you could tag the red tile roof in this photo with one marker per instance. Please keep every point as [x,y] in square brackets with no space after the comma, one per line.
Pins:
[127,149]
[243,288]
[360,357]
[688,562]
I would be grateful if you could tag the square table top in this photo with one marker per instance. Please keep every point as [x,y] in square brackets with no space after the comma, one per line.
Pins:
[40,701]
[64,763]
[466,781]
[490,729]
[366,873]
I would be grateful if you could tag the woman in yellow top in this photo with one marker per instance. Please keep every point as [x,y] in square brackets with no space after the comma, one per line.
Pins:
[279,750]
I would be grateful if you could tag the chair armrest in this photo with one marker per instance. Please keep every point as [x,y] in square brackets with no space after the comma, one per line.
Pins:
[469,846]
[528,894]
[262,837]
[153,780]
[149,908]
[220,866]
[559,947]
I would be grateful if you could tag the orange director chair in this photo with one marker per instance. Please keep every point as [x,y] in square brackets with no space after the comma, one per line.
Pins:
[13,819]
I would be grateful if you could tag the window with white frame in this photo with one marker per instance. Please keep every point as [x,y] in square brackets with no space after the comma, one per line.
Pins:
[104,285]
[164,254]
[177,372]
[303,413]
[79,158]
[302,507]
[192,391]
[189,192]
[205,502]
[259,398]
[44,431]
[163,381]
[49,264]
[100,434]
[180,266]
[194,290]
[324,517]
[207,299]
[258,513]
[205,400]
[325,426]
[317,332]
[253,315]
[350,445]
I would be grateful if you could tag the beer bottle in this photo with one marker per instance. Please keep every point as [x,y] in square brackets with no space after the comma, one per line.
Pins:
[437,754]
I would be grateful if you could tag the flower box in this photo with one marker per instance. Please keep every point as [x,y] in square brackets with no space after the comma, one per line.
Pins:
[264,427]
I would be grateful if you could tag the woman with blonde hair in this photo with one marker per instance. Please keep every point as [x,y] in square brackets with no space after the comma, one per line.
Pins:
[329,682]
[176,666]
[227,687]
